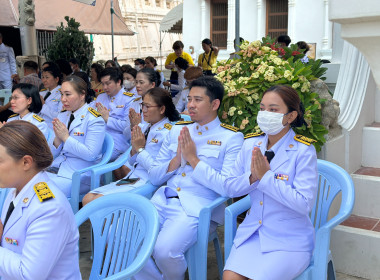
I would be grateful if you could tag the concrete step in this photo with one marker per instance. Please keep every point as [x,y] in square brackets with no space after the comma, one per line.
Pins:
[355,247]
[367,191]
[370,149]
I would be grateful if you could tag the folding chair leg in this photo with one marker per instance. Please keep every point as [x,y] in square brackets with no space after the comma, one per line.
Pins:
[330,271]
[219,257]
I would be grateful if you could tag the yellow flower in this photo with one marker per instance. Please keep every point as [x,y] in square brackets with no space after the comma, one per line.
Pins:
[231,111]
[296,85]
[240,112]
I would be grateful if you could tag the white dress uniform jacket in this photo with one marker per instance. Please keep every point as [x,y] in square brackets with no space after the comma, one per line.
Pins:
[52,106]
[118,107]
[34,119]
[217,148]
[83,148]
[7,66]
[282,200]
[40,239]
[181,102]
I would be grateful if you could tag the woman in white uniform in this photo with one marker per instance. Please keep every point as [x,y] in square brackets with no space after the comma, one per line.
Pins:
[279,172]
[26,103]
[159,111]
[38,233]
[79,135]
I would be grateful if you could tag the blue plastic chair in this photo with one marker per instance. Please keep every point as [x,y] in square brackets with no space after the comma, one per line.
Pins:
[196,256]
[3,196]
[125,228]
[332,181]
[185,117]
[6,95]
[76,197]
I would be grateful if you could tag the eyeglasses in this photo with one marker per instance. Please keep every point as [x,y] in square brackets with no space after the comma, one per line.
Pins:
[16,97]
[145,107]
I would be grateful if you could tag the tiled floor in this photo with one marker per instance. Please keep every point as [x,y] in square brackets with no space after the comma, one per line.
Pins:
[363,223]
[369,171]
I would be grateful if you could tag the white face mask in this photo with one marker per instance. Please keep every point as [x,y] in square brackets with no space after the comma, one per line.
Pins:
[128,84]
[269,122]
[138,67]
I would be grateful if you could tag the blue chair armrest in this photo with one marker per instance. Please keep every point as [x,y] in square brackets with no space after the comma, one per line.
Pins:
[230,226]
[146,190]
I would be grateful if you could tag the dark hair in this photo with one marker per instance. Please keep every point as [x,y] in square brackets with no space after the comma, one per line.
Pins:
[64,65]
[302,45]
[31,65]
[30,91]
[178,45]
[181,63]
[21,138]
[74,61]
[207,42]
[214,88]
[291,99]
[152,76]
[284,39]
[80,86]
[50,63]
[110,61]
[98,69]
[152,60]
[163,98]
[131,71]
[54,70]
[114,73]
[140,61]
[125,67]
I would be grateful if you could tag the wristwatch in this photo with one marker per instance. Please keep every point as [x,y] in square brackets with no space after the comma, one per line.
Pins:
[140,150]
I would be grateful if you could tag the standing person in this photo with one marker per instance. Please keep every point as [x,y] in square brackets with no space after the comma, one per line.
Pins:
[113,106]
[129,81]
[39,236]
[8,68]
[159,111]
[279,172]
[96,84]
[26,103]
[208,58]
[51,96]
[151,62]
[192,53]
[193,163]
[170,60]
[79,135]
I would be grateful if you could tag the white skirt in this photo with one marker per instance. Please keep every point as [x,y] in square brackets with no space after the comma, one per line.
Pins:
[112,188]
[249,261]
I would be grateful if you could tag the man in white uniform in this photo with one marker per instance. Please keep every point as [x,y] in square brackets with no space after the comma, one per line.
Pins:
[7,65]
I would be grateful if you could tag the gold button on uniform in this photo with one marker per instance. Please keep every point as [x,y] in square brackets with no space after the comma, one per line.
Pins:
[260,222]
[183,174]
[261,203]
[199,133]
[178,189]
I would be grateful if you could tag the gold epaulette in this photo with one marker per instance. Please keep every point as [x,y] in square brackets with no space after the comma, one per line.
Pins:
[38,118]
[303,139]
[229,127]
[128,94]
[255,134]
[183,122]
[137,99]
[94,112]
[63,110]
[168,126]
[11,116]
[43,192]
[43,89]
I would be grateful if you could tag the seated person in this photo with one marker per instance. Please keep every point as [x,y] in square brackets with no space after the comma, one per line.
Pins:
[113,105]
[38,233]
[181,65]
[26,103]
[159,111]
[129,81]
[151,62]
[195,157]
[278,171]
[96,84]
[79,135]
[51,95]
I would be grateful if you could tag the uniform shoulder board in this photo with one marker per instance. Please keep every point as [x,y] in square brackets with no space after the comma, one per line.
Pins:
[183,122]
[304,139]
[137,99]
[230,127]
[43,192]
[38,118]
[94,112]
[128,94]
[12,116]
[250,135]
[168,126]
[186,88]
[63,110]
[43,89]
[159,71]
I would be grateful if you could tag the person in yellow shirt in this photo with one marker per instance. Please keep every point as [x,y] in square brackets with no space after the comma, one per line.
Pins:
[169,63]
[208,58]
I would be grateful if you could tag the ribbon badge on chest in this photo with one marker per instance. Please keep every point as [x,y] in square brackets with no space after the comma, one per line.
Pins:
[11,241]
[281,177]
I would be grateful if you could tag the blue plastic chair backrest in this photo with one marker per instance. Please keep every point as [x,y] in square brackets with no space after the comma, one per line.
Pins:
[125,228]
[107,149]
[332,181]
[3,195]
[185,117]
[6,95]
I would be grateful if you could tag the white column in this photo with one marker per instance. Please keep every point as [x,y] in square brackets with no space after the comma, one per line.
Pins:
[292,19]
[259,19]
[326,50]
[231,26]
[203,19]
